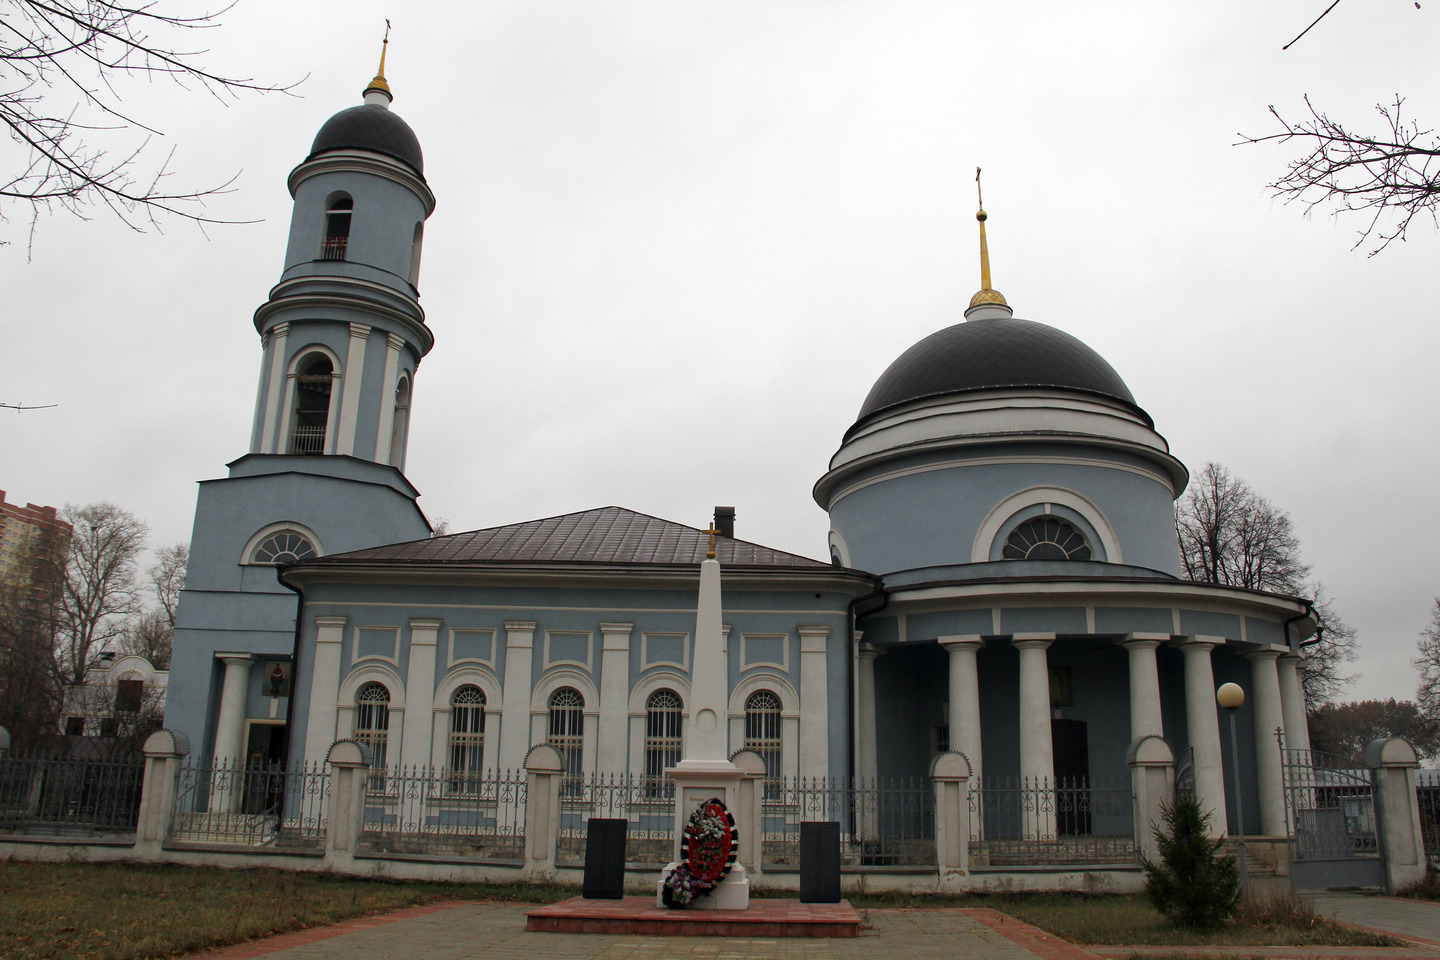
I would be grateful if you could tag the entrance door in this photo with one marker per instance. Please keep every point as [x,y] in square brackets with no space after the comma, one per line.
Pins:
[264,763]
[1071,744]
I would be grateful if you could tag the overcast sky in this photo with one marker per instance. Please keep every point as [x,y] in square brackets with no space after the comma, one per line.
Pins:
[676,243]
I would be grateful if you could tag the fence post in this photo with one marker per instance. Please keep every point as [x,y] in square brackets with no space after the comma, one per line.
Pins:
[349,762]
[4,743]
[951,775]
[1152,784]
[543,774]
[751,792]
[165,750]
[1393,762]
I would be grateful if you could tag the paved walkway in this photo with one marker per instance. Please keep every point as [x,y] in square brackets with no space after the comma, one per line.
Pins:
[496,931]
[1411,919]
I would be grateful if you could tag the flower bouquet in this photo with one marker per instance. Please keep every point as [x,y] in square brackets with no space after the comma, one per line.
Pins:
[707,851]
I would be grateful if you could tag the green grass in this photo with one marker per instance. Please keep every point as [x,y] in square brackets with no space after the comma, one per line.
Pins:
[1130,920]
[128,912]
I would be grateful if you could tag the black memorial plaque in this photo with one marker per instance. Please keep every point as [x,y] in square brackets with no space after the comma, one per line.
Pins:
[819,862]
[605,859]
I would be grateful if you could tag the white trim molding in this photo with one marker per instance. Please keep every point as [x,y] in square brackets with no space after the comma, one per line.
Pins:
[647,663]
[452,660]
[269,530]
[356,657]
[588,664]
[1033,496]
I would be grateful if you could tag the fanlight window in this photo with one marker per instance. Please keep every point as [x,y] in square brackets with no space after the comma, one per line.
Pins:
[663,739]
[467,738]
[762,734]
[372,727]
[567,734]
[287,546]
[1046,538]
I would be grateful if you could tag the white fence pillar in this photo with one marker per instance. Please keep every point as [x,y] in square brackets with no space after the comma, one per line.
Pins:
[950,773]
[1397,811]
[1152,783]
[165,750]
[751,790]
[543,773]
[349,762]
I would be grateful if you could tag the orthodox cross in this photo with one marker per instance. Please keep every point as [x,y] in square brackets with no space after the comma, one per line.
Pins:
[712,531]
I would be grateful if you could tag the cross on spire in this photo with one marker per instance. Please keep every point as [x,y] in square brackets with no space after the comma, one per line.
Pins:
[712,531]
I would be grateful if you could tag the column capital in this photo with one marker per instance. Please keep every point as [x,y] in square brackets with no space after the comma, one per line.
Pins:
[423,630]
[359,331]
[1032,641]
[868,651]
[1143,641]
[608,628]
[973,640]
[1270,654]
[813,638]
[615,637]
[1198,644]
[237,658]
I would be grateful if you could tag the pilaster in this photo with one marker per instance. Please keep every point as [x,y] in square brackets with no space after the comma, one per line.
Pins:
[515,713]
[419,692]
[320,730]
[614,698]
[351,386]
[814,702]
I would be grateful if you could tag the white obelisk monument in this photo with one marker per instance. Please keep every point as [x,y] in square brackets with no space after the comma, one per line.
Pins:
[705,770]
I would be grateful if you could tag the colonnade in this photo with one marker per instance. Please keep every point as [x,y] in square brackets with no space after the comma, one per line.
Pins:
[1276,700]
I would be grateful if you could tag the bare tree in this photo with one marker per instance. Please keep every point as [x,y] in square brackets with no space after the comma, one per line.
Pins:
[1347,728]
[167,577]
[99,594]
[1390,175]
[1231,535]
[30,604]
[64,69]
[1427,661]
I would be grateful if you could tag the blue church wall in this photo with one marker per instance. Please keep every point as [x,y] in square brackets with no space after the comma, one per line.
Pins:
[1204,623]
[1043,620]
[1134,620]
[1231,667]
[932,518]
[911,685]
[381,227]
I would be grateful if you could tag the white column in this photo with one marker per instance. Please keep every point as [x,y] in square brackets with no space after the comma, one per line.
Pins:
[1037,753]
[613,746]
[350,397]
[515,714]
[230,730]
[1292,703]
[257,428]
[867,760]
[419,694]
[1145,716]
[278,336]
[384,434]
[1203,727]
[964,718]
[814,703]
[324,688]
[1269,774]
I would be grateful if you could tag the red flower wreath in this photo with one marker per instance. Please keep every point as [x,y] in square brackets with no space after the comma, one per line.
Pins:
[710,843]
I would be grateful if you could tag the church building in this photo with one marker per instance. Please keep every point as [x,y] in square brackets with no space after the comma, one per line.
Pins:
[1002,579]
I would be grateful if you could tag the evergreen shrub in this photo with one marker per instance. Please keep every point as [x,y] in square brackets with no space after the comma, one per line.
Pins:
[1193,885]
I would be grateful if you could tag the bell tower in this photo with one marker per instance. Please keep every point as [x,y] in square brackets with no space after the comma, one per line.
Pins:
[342,336]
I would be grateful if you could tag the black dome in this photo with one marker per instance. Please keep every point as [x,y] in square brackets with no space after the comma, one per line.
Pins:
[992,353]
[370,127]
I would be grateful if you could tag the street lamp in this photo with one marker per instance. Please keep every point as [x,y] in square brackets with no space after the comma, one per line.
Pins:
[1231,697]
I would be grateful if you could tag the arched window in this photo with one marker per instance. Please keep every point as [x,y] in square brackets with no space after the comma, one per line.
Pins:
[762,734]
[401,424]
[312,404]
[415,254]
[337,228]
[663,717]
[567,734]
[286,546]
[1046,538]
[372,727]
[467,738]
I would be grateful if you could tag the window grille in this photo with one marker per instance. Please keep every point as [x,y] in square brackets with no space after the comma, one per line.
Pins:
[287,546]
[1046,538]
[372,727]
[762,734]
[664,715]
[567,734]
[467,738]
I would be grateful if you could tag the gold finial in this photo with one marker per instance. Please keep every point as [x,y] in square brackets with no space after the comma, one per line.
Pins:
[379,82]
[986,294]
[712,531]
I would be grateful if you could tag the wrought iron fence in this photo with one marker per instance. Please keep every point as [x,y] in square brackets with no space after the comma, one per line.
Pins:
[1427,797]
[646,802]
[1330,803]
[1032,820]
[229,803]
[60,794]
[435,811]
[883,822]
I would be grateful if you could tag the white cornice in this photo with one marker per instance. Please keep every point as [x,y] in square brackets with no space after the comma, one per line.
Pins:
[282,299]
[358,161]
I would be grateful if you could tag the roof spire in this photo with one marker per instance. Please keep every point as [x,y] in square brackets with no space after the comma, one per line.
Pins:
[379,91]
[986,293]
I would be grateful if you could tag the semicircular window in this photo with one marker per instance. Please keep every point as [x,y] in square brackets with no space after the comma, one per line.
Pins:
[287,546]
[1046,538]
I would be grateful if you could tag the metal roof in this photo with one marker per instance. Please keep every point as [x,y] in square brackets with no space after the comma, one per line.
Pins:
[606,535]
[994,353]
[370,127]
